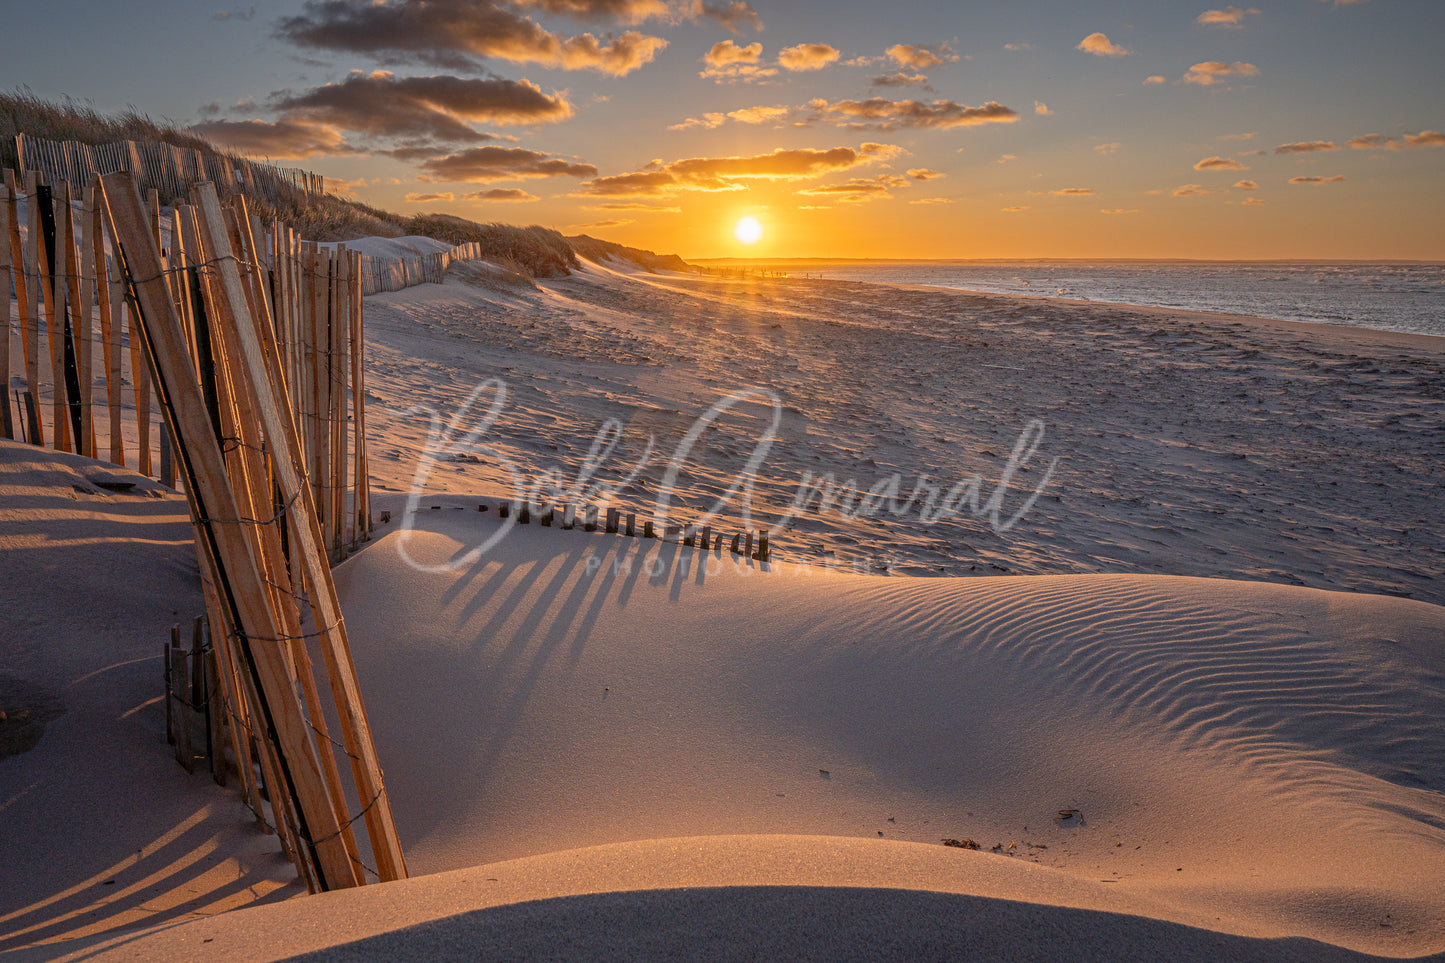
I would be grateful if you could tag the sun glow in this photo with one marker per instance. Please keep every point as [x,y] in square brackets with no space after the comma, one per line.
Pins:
[748,230]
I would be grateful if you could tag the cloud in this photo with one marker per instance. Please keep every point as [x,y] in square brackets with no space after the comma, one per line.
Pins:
[502,194]
[901,79]
[633,206]
[1246,186]
[225,16]
[1219,164]
[921,56]
[731,16]
[732,173]
[1192,190]
[1005,158]
[439,107]
[1317,180]
[1155,79]
[855,190]
[890,114]
[1252,202]
[1426,138]
[452,32]
[758,115]
[1041,108]
[429,198]
[726,52]
[726,61]
[1014,210]
[615,222]
[1118,210]
[1228,17]
[483,165]
[707,121]
[807,56]
[281,139]
[1109,148]
[932,200]
[924,173]
[1073,191]
[1248,136]
[1210,71]
[1100,46]
[1018,46]
[1306,147]
[621,11]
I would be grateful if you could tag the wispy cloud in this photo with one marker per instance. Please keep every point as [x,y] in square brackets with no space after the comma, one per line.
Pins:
[1101,46]
[1192,190]
[1014,210]
[889,114]
[921,56]
[1219,164]
[1110,148]
[1041,108]
[1317,180]
[1246,186]
[1153,79]
[1212,72]
[282,139]
[429,198]
[487,164]
[932,200]
[1307,147]
[1118,210]
[234,16]
[1073,191]
[731,16]
[901,79]
[507,195]
[924,173]
[1426,138]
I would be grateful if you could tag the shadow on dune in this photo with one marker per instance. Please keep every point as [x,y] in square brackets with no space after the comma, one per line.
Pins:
[813,923]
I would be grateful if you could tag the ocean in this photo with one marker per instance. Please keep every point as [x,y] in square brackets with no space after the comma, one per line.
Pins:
[1389,297]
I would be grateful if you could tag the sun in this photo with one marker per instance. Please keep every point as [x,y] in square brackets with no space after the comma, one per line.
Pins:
[748,230]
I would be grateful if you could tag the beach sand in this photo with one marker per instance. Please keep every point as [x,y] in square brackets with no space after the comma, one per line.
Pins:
[1195,707]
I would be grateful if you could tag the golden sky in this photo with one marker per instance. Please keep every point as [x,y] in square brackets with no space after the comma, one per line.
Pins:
[1039,128]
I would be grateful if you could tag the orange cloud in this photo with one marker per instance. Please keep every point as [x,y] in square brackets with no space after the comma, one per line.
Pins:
[1228,17]
[1191,190]
[1246,186]
[1100,46]
[1210,71]
[732,173]
[924,174]
[807,56]
[1317,180]
[758,115]
[1041,108]
[1118,210]
[921,56]
[1155,79]
[1252,202]
[1013,210]
[426,198]
[1219,164]
[1073,191]
[726,52]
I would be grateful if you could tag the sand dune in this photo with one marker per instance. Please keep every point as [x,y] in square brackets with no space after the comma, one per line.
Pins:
[1189,715]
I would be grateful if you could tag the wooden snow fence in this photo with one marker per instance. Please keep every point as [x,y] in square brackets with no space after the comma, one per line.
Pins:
[167,168]
[380,274]
[221,380]
[68,297]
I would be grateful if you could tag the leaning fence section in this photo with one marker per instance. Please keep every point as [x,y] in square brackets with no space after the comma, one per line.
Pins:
[248,346]
[380,274]
[224,363]
[76,379]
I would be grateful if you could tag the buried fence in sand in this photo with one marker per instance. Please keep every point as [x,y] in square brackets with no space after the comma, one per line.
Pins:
[249,353]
